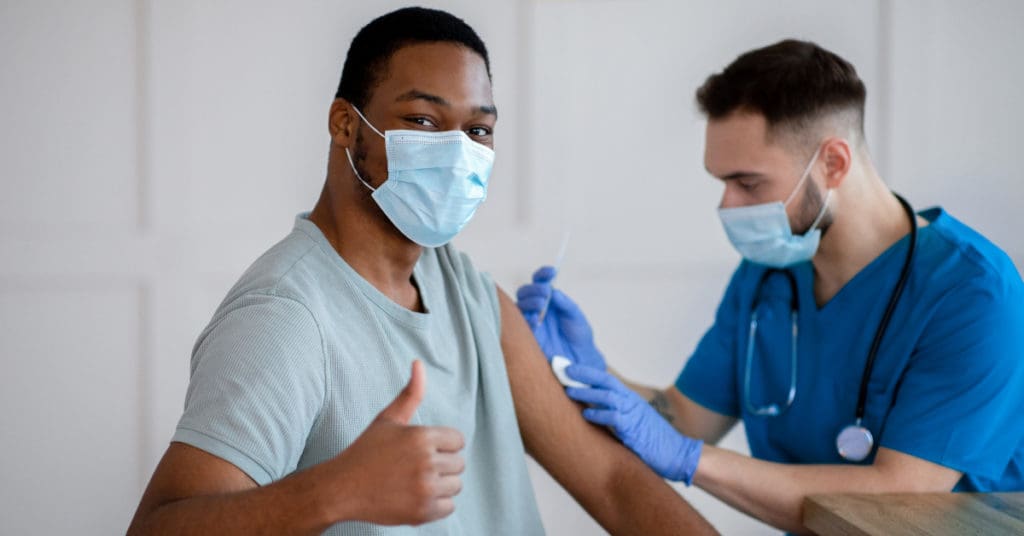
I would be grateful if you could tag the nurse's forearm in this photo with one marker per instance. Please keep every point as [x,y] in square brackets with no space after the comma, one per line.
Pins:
[775,492]
[770,492]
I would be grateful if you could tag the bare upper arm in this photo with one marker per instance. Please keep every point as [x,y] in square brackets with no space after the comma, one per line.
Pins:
[694,420]
[186,471]
[552,427]
[608,480]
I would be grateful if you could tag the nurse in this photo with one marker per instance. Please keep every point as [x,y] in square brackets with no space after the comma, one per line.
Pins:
[865,347]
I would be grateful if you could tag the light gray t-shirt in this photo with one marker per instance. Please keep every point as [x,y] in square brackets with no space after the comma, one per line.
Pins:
[304,353]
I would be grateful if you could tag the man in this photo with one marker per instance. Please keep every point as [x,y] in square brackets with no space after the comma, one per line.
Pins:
[291,422]
[865,348]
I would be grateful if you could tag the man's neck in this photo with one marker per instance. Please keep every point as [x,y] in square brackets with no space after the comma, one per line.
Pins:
[369,244]
[868,222]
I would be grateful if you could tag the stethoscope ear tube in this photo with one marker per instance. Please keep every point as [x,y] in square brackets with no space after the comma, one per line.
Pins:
[774,410]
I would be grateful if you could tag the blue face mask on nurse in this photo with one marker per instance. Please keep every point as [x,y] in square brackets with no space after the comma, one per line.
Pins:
[762,233]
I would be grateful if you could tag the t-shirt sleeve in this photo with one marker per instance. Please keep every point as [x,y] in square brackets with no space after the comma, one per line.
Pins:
[257,386]
[709,376]
[960,401]
[479,287]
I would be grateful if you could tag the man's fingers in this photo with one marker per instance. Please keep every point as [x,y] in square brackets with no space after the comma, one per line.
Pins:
[449,486]
[442,507]
[448,464]
[447,439]
[404,406]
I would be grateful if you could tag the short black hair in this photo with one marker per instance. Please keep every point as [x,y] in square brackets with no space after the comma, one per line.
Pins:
[791,83]
[374,45]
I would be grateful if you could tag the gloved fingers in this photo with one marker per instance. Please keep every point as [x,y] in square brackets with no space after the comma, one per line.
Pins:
[561,301]
[604,417]
[532,319]
[550,340]
[598,397]
[593,360]
[594,377]
[533,304]
[530,290]
[544,274]
[533,298]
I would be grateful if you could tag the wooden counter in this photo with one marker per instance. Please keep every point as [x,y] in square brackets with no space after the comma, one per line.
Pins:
[916,514]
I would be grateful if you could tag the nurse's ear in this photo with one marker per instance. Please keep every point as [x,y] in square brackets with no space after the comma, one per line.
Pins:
[342,123]
[837,159]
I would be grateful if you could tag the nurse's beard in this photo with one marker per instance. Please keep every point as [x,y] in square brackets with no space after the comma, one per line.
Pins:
[810,207]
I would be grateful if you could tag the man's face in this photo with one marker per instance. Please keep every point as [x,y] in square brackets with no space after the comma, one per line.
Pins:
[430,87]
[755,169]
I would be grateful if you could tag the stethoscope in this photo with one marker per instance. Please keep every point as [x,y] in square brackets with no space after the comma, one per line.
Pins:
[854,442]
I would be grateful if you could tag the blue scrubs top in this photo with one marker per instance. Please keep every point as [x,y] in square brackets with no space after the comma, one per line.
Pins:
[948,382]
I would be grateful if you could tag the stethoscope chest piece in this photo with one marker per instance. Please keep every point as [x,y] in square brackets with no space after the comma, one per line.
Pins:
[854,443]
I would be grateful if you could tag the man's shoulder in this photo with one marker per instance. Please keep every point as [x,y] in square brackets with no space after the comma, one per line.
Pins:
[283,285]
[967,258]
[291,269]
[972,296]
[453,264]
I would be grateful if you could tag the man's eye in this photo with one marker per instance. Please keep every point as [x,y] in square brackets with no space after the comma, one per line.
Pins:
[479,132]
[422,121]
[748,186]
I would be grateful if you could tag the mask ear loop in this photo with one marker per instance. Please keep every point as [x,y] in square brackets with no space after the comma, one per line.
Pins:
[803,177]
[824,207]
[363,117]
[351,163]
[349,155]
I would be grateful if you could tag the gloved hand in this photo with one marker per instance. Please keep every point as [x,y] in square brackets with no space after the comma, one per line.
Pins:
[638,425]
[562,330]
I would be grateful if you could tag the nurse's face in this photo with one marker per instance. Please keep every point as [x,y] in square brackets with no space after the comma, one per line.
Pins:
[756,169]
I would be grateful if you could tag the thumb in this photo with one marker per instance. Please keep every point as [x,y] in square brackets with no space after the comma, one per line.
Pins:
[405,404]
[544,274]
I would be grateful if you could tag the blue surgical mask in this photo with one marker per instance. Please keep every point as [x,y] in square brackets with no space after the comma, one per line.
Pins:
[761,233]
[436,181]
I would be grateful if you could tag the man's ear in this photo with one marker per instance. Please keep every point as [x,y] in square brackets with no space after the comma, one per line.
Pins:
[342,122]
[837,156]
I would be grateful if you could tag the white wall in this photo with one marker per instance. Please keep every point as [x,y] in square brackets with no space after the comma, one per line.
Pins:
[150,150]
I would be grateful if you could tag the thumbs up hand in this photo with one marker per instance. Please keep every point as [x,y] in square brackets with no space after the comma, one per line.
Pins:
[397,474]
[404,405]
